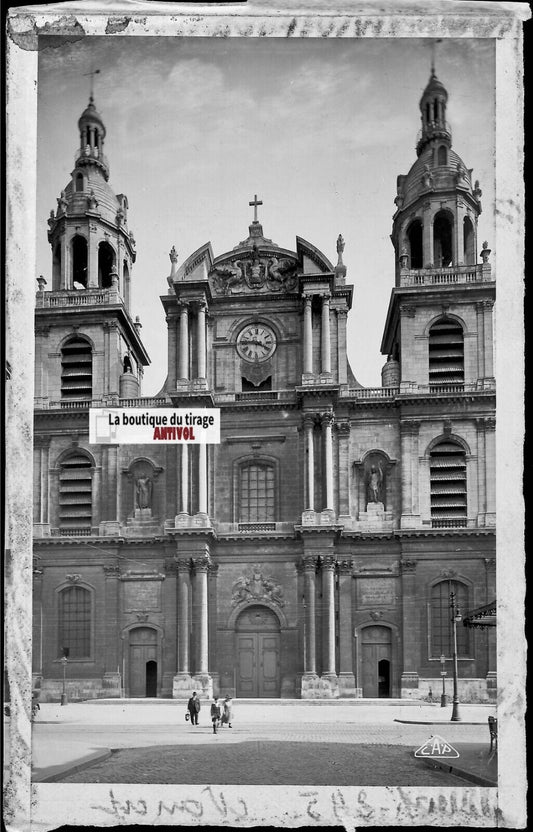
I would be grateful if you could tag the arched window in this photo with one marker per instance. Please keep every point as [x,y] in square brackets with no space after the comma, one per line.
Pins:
[468,239]
[442,155]
[76,369]
[75,494]
[441,627]
[446,353]
[442,240]
[447,474]
[106,261]
[75,622]
[79,182]
[79,261]
[256,493]
[414,235]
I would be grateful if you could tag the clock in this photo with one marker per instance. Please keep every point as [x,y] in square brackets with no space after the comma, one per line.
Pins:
[256,342]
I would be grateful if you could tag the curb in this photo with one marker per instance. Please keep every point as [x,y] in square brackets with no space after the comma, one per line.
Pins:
[426,722]
[460,772]
[59,771]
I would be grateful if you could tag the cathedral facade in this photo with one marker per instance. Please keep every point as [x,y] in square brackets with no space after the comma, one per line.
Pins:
[316,551]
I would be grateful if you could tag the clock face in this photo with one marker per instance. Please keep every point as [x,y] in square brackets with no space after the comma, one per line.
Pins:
[256,342]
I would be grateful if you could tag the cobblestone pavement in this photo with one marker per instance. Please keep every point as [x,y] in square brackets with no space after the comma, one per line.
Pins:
[259,762]
[128,736]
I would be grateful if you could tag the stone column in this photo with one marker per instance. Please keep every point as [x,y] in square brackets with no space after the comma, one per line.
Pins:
[328,602]
[184,479]
[481,472]
[342,315]
[172,356]
[309,424]
[343,433]
[427,236]
[409,473]
[184,342]
[169,606]
[490,470]
[459,233]
[111,680]
[346,674]
[201,566]
[488,340]
[309,563]
[201,344]
[410,629]
[202,478]
[182,682]
[327,424]
[492,679]
[480,340]
[92,257]
[308,334]
[66,264]
[326,336]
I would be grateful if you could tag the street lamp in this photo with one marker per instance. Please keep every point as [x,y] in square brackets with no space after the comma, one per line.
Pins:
[456,617]
[443,673]
[64,662]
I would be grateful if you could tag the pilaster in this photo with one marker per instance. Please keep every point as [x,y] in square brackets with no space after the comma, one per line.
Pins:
[410,629]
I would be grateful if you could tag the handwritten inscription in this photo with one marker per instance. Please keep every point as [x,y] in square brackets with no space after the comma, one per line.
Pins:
[346,806]
[377,591]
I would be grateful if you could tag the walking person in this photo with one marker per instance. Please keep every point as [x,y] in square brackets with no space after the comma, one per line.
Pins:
[193,706]
[215,714]
[227,711]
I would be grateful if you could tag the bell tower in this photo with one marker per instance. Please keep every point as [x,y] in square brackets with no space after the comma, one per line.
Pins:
[439,328]
[90,346]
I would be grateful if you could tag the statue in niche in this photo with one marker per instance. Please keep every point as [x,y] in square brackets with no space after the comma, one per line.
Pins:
[126,365]
[375,483]
[143,492]
[427,177]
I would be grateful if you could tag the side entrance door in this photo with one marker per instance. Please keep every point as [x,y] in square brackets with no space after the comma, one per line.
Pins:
[376,655]
[143,662]
[258,654]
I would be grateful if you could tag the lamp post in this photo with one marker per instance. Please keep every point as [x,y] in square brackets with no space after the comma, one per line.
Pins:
[455,619]
[443,699]
[64,662]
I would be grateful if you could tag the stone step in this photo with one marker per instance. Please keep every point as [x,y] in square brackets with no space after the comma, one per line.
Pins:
[307,703]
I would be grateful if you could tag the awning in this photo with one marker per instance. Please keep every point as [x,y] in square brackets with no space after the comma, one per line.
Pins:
[481,617]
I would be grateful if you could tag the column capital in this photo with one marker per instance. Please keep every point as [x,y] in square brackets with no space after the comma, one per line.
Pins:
[213,568]
[328,562]
[41,441]
[111,571]
[490,564]
[342,313]
[201,564]
[327,418]
[183,305]
[171,567]
[183,566]
[345,566]
[309,419]
[490,423]
[325,297]
[343,428]
[408,566]
[407,310]
[309,563]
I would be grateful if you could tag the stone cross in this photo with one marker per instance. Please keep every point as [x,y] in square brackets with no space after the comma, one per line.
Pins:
[255,203]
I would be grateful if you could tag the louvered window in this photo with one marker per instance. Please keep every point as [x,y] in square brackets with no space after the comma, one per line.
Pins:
[441,619]
[257,494]
[448,485]
[75,622]
[75,494]
[446,354]
[76,370]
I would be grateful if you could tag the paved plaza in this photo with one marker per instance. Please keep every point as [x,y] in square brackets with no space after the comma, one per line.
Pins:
[293,742]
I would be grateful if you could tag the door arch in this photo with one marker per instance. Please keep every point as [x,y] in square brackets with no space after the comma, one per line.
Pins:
[257,637]
[376,661]
[144,667]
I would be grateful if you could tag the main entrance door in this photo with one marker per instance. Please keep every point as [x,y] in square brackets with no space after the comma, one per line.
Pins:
[258,645]
[143,662]
[376,662]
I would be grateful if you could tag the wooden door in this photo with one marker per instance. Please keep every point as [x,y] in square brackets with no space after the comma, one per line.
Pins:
[376,662]
[258,654]
[143,657]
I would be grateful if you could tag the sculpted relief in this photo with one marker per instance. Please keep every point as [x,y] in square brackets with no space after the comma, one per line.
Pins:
[256,587]
[257,273]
